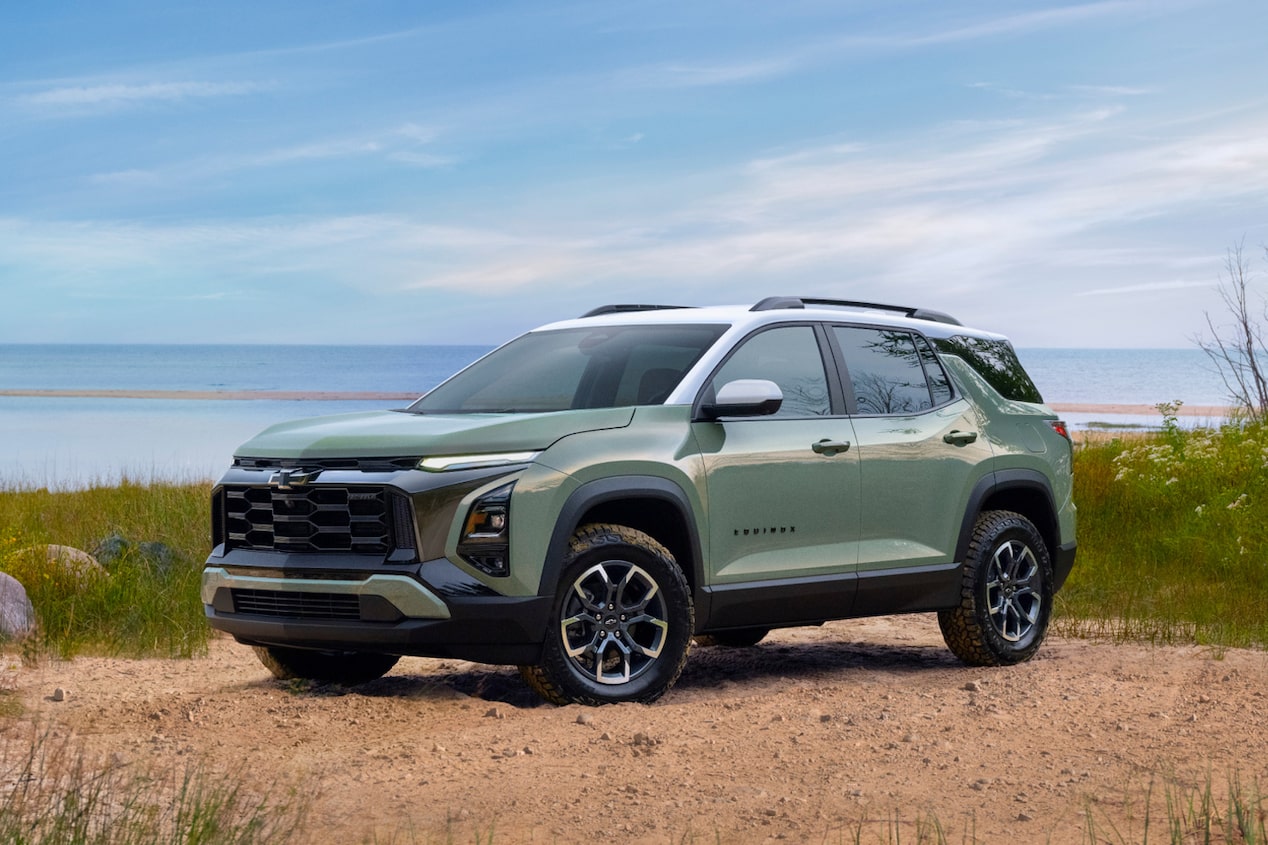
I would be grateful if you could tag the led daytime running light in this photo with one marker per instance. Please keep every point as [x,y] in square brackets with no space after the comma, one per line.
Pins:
[450,463]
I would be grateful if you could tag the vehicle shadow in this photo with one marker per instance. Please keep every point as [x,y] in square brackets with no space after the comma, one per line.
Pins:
[707,669]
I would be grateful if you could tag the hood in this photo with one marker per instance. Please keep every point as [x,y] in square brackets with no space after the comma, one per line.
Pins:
[383,434]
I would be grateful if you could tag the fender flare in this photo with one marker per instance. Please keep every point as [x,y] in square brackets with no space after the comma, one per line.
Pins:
[613,489]
[997,482]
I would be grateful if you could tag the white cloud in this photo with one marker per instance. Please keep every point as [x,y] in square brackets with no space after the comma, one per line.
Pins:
[979,210]
[696,75]
[405,146]
[1023,22]
[118,94]
[1148,287]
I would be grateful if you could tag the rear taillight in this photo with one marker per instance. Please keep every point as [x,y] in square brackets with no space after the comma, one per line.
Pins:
[1060,427]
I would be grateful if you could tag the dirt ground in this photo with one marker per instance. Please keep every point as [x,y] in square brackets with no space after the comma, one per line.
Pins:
[815,735]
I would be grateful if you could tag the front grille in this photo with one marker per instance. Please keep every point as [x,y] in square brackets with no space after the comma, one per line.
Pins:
[296,605]
[314,519]
[355,464]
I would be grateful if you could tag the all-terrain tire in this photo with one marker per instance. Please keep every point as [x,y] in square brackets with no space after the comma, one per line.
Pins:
[735,638]
[337,667]
[1006,594]
[621,622]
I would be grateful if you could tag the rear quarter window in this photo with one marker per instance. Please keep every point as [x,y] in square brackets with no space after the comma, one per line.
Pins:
[996,362]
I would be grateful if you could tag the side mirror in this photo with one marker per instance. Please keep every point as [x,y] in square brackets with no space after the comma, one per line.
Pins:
[746,397]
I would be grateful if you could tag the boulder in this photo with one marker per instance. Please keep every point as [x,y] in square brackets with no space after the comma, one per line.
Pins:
[158,556]
[75,561]
[17,616]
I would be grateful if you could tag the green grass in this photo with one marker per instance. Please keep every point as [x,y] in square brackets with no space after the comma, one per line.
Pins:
[56,793]
[148,604]
[1172,531]
[1173,528]
[1186,815]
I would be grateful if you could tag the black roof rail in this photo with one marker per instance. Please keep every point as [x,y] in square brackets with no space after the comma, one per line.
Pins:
[773,303]
[622,308]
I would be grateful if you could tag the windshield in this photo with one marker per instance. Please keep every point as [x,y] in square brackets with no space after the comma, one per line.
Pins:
[570,369]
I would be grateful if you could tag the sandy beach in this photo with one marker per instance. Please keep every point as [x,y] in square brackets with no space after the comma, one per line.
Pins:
[1209,411]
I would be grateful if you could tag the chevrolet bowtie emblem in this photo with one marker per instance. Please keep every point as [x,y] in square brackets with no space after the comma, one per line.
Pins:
[288,479]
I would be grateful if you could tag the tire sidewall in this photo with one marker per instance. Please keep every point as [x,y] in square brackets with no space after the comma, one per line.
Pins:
[1014,528]
[672,586]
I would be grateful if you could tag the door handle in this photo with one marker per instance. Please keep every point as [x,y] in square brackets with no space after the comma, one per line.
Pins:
[830,447]
[960,438]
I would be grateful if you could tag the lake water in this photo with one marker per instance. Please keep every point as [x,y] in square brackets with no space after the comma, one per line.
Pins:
[73,441]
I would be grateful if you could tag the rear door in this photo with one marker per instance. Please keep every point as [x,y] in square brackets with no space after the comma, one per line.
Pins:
[921,450]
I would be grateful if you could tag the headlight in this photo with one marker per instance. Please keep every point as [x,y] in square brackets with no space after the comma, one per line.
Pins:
[455,462]
[485,540]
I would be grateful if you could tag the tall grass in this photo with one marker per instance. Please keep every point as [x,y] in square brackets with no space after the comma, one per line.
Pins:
[147,604]
[1173,537]
[1187,815]
[52,792]
[1173,548]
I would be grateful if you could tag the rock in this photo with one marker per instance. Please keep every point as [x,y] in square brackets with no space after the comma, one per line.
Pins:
[159,556]
[109,550]
[494,713]
[59,694]
[17,616]
[75,561]
[584,718]
[973,686]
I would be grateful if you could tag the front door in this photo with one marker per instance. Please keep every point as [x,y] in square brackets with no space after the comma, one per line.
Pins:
[782,489]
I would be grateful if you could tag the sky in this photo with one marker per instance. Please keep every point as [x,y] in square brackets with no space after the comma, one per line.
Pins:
[1068,174]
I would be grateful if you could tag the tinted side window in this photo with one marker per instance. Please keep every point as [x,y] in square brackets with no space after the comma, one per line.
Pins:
[939,382]
[996,362]
[885,370]
[788,356]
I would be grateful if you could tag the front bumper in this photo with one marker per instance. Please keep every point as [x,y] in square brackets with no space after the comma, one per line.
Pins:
[430,609]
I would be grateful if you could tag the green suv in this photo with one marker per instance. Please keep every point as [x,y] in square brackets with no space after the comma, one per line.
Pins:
[589,498]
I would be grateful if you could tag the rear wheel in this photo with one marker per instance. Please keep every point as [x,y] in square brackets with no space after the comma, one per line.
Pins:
[621,622]
[339,667]
[1006,595]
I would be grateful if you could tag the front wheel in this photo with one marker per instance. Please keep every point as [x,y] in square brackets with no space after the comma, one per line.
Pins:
[338,667]
[1006,595]
[621,623]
